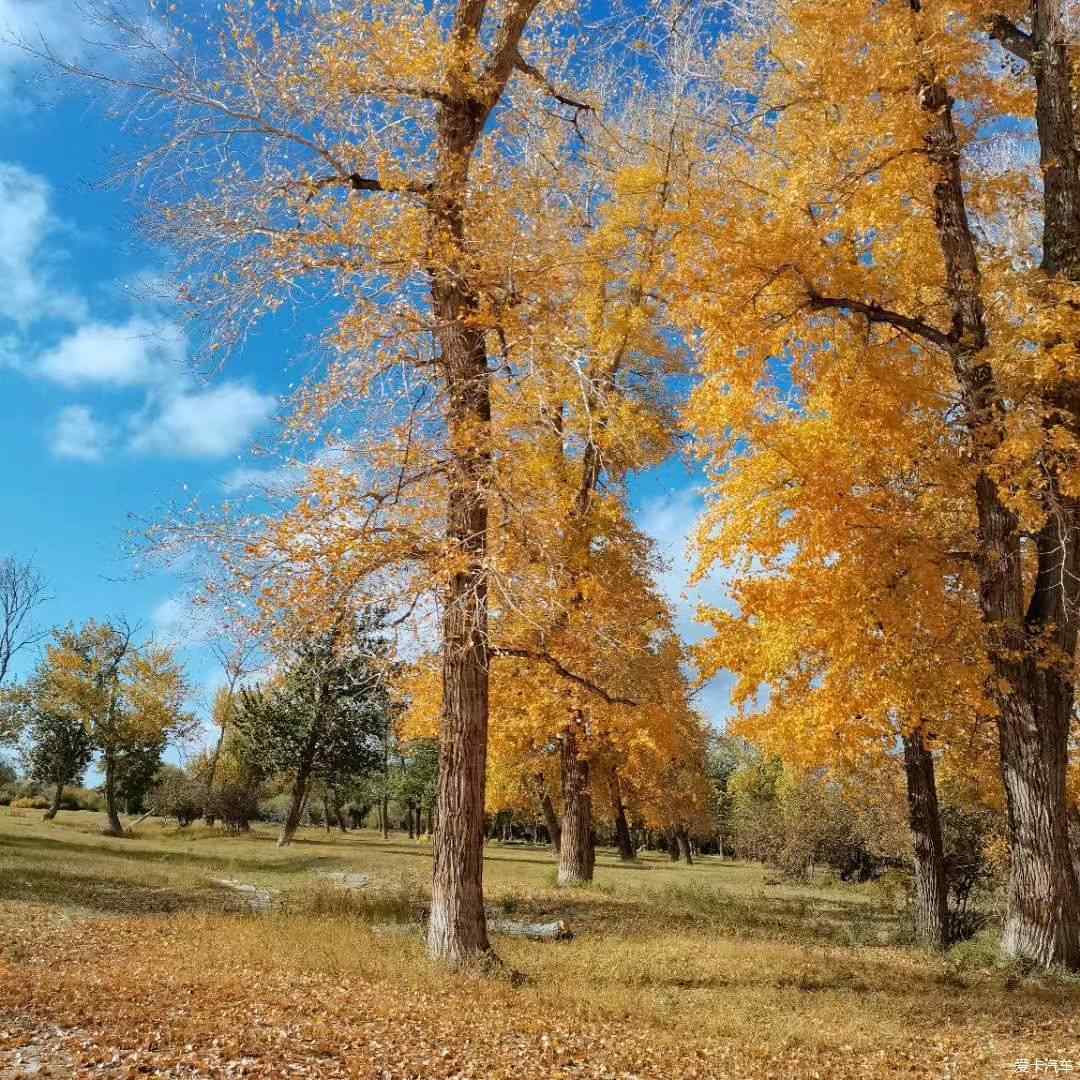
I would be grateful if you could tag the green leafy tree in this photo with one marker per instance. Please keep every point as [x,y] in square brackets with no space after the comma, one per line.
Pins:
[416,782]
[323,716]
[59,745]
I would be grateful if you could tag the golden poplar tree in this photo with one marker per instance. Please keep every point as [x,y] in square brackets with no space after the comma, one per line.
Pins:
[870,224]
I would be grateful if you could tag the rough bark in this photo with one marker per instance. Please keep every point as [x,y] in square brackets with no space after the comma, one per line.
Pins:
[457,931]
[1034,693]
[623,840]
[577,852]
[113,826]
[924,819]
[54,806]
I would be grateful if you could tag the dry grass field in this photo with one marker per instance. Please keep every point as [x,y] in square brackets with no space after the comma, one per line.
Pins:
[121,958]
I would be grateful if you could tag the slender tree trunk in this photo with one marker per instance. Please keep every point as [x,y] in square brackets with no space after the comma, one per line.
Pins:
[412,831]
[931,894]
[113,826]
[682,839]
[54,807]
[672,844]
[208,815]
[296,803]
[623,840]
[577,852]
[551,820]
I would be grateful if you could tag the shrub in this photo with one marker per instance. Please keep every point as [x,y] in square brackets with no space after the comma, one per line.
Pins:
[30,802]
[972,875]
[235,803]
[274,809]
[175,794]
[85,798]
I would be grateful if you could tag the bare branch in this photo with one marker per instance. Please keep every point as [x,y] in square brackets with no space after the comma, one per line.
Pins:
[526,68]
[1012,38]
[22,590]
[370,183]
[875,313]
[566,673]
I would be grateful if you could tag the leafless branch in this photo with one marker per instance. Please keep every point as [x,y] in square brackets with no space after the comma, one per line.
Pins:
[1012,38]
[875,313]
[22,591]
[565,672]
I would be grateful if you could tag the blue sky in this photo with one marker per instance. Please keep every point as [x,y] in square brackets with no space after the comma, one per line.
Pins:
[106,422]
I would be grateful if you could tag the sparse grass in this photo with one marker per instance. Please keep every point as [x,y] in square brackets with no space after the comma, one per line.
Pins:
[674,971]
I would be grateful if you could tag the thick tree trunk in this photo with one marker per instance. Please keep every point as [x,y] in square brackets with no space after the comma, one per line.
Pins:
[682,838]
[577,851]
[623,840]
[1032,651]
[457,932]
[673,844]
[931,895]
[113,826]
[54,807]
[1042,922]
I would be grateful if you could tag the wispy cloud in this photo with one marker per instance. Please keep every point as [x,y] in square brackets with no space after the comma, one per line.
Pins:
[146,352]
[203,423]
[78,436]
[671,520]
[138,352]
[32,288]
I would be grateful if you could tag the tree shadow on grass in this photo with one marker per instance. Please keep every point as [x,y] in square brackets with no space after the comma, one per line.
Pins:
[104,895]
[27,845]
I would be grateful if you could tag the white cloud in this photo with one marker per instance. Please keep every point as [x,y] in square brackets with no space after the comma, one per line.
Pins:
[177,621]
[77,435]
[671,520]
[139,352]
[246,479]
[206,423]
[57,22]
[70,31]
[178,418]
[30,291]
[147,351]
